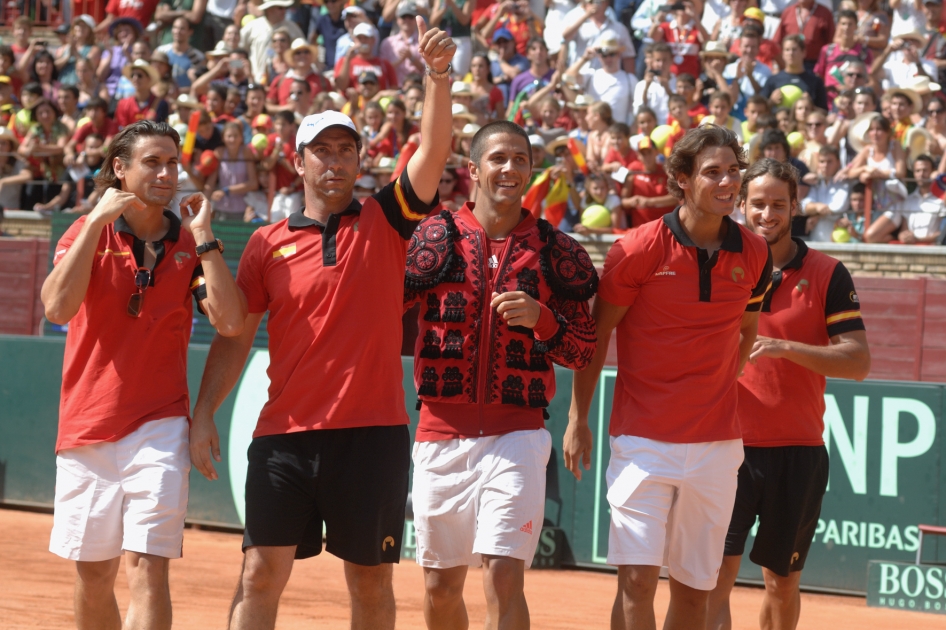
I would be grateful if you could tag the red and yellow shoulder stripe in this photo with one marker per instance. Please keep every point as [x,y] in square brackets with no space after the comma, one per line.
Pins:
[402,202]
[842,316]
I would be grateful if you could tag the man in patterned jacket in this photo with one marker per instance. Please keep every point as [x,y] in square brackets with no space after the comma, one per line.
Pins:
[504,295]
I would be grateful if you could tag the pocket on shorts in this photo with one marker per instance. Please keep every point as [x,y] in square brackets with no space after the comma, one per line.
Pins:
[624,475]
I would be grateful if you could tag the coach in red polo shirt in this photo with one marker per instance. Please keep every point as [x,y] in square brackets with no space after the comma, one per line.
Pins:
[331,446]
[810,328]
[123,280]
[684,293]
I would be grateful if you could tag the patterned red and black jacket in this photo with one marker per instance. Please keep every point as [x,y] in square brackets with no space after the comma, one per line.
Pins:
[474,374]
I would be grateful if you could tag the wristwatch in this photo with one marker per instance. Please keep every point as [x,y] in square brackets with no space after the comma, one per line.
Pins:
[212,245]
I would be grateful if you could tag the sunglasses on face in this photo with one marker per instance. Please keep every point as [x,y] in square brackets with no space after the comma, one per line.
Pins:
[280,40]
[302,52]
[138,75]
[815,124]
[854,75]
[137,299]
[607,55]
[934,112]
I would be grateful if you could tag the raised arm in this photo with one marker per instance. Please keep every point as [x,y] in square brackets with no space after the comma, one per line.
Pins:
[436,124]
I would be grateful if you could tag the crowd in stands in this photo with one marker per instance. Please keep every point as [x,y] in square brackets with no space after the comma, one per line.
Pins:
[849,93]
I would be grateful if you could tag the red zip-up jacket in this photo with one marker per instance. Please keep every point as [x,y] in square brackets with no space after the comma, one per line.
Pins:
[474,374]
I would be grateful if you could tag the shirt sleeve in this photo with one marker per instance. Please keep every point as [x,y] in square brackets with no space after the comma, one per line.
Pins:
[199,286]
[842,308]
[763,286]
[67,239]
[401,207]
[621,280]
[250,275]
[112,7]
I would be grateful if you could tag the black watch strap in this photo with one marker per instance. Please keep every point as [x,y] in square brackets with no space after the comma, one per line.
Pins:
[212,245]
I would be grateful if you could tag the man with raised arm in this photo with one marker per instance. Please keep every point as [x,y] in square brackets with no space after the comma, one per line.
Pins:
[810,328]
[123,279]
[684,293]
[503,296]
[331,446]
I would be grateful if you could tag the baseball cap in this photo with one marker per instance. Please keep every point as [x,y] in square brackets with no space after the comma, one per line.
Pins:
[315,124]
[754,13]
[502,33]
[535,140]
[368,77]
[406,9]
[353,10]
[363,29]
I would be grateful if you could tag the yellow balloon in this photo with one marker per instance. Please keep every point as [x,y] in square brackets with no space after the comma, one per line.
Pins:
[596,216]
[660,135]
[790,94]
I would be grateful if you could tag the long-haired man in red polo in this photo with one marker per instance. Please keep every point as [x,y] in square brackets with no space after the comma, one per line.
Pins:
[123,279]
[810,328]
[331,445]
[503,296]
[684,293]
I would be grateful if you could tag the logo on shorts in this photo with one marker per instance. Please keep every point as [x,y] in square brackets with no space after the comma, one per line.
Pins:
[527,528]
[666,272]
[389,540]
[738,274]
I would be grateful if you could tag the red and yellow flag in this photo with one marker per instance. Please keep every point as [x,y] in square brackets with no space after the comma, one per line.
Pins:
[532,201]
[575,149]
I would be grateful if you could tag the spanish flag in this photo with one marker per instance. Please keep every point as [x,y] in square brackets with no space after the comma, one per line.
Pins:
[553,194]
[532,201]
[575,149]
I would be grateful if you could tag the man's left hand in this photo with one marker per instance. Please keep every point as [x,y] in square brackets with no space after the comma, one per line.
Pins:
[767,347]
[195,216]
[435,46]
[517,308]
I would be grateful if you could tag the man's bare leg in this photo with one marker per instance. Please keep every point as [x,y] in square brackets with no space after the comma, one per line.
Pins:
[718,613]
[504,581]
[634,604]
[444,608]
[687,607]
[266,571]
[150,603]
[372,596]
[95,604]
[781,605]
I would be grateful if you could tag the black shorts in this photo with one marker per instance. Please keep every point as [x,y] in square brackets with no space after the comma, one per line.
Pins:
[783,486]
[353,480]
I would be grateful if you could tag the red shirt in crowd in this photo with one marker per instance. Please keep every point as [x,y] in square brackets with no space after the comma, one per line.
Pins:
[382,68]
[646,185]
[812,299]
[129,110]
[685,43]
[335,296]
[83,131]
[119,371]
[141,10]
[626,160]
[769,51]
[284,177]
[282,85]
[818,29]
[678,343]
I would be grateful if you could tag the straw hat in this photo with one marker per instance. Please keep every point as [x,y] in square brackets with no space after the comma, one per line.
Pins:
[385,165]
[916,36]
[186,100]
[220,50]
[461,111]
[469,130]
[717,49]
[922,85]
[141,64]
[917,143]
[857,132]
[459,88]
[582,101]
[299,44]
[269,4]
[556,144]
[911,94]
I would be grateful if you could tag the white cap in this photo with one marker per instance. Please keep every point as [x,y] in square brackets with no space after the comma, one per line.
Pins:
[315,124]
[363,29]
[352,10]
[536,140]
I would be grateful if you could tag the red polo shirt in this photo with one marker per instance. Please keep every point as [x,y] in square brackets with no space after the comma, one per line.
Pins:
[119,371]
[86,129]
[387,77]
[818,29]
[646,185]
[812,299]
[678,343]
[335,295]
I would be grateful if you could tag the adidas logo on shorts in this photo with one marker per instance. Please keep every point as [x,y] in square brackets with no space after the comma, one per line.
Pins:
[527,528]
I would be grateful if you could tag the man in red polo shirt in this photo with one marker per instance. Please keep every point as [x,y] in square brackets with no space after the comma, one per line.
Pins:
[122,280]
[98,123]
[142,105]
[645,196]
[810,328]
[812,21]
[496,314]
[684,293]
[331,446]
[358,59]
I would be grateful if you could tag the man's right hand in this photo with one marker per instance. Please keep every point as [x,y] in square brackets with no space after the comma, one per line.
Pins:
[113,204]
[204,442]
[576,447]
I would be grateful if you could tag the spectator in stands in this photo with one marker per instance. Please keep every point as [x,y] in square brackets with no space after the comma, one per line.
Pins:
[728,29]
[232,71]
[748,75]
[827,199]
[142,12]
[935,49]
[609,83]
[125,88]
[67,101]
[684,34]
[279,159]
[795,73]
[450,195]
[125,31]
[482,86]
[834,59]
[509,63]
[516,17]
[853,221]
[814,23]
[456,17]
[143,105]
[98,123]
[873,25]
[590,22]
[330,26]
[186,61]
[720,107]
[44,145]
[359,58]
[44,72]
[919,217]
[23,44]
[255,36]
[815,127]
[658,83]
[81,46]
[538,73]
[401,49]
[277,64]
[645,196]
[774,145]
[353,16]
[14,172]
[598,192]
[234,178]
[619,153]
[881,160]
[194,12]
[301,58]
[714,58]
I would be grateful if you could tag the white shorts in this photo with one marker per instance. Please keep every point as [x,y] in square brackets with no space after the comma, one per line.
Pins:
[479,496]
[671,505]
[129,495]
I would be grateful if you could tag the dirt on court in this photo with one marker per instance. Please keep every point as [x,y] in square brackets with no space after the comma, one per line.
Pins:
[36,590]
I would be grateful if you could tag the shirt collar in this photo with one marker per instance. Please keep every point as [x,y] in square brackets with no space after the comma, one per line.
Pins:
[298,220]
[732,242]
[796,262]
[174,230]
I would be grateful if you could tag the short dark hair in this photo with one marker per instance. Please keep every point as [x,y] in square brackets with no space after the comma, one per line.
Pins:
[241,52]
[846,13]
[481,138]
[71,89]
[751,33]
[676,98]
[758,99]
[6,51]
[827,149]
[798,39]
[218,89]
[682,159]
[721,95]
[537,40]
[686,77]
[923,157]
[752,28]
[123,146]
[660,47]
[859,188]
[620,129]
[645,110]
[775,136]
[96,102]
[286,116]
[32,88]
[779,170]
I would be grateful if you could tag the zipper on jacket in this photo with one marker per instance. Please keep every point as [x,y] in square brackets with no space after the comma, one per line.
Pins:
[486,342]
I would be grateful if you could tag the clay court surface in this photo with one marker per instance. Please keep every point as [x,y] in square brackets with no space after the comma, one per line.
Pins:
[36,590]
